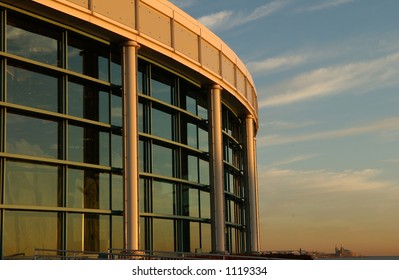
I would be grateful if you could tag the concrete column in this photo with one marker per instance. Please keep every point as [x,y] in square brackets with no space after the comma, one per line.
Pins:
[216,166]
[130,143]
[251,184]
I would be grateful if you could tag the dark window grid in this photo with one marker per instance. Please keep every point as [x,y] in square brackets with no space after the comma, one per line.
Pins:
[62,80]
[42,71]
[37,38]
[159,78]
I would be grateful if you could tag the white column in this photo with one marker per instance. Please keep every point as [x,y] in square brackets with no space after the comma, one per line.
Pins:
[216,165]
[130,143]
[252,192]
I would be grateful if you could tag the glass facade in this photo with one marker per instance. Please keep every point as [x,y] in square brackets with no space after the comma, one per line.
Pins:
[62,148]
[174,164]
[60,151]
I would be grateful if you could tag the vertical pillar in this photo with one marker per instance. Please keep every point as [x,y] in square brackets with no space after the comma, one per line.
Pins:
[216,165]
[130,144]
[252,192]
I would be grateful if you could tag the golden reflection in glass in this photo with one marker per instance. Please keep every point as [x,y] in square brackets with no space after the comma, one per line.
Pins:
[195,237]
[205,205]
[117,232]
[163,198]
[21,238]
[31,184]
[74,238]
[206,237]
[163,235]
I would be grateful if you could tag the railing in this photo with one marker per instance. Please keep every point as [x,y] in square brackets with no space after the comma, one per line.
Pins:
[121,254]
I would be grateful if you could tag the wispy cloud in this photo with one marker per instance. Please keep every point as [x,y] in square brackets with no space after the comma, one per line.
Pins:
[276,63]
[381,126]
[364,76]
[227,19]
[295,159]
[324,5]
[323,180]
[290,125]
[183,3]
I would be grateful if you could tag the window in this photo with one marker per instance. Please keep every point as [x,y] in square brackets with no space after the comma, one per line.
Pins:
[32,89]
[31,136]
[32,184]
[21,238]
[32,39]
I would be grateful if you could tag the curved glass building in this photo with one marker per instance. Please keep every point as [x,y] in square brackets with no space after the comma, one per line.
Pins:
[124,124]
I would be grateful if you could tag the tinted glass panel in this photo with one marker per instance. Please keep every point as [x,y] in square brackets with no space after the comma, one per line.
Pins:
[32,40]
[161,124]
[20,237]
[88,189]
[163,198]
[195,237]
[205,205]
[116,69]
[96,232]
[204,172]
[31,136]
[75,143]
[32,89]
[193,202]
[162,161]
[104,107]
[74,238]
[117,232]
[75,198]
[163,235]
[117,151]
[116,110]
[31,184]
[88,58]
[162,87]
[88,102]
[203,140]
[206,237]
[117,192]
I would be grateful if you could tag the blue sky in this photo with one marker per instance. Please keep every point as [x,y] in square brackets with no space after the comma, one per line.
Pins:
[327,78]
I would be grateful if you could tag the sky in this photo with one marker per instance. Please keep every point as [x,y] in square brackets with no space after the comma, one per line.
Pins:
[327,79]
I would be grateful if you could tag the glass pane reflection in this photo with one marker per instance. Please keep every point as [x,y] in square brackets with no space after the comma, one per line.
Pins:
[32,89]
[162,160]
[161,87]
[206,237]
[88,189]
[31,184]
[163,235]
[33,41]
[74,238]
[20,237]
[195,237]
[31,136]
[163,198]
[161,124]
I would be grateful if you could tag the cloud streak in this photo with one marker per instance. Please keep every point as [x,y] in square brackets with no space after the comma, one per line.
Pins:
[381,126]
[228,19]
[293,160]
[325,5]
[276,63]
[364,76]
[321,181]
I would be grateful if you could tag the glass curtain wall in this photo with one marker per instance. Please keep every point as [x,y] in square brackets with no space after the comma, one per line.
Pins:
[233,157]
[174,162]
[61,141]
